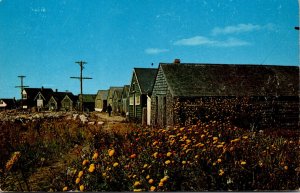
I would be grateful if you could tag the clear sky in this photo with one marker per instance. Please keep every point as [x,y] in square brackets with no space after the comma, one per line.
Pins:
[42,39]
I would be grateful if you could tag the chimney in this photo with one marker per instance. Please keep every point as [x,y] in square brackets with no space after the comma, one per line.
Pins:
[56,90]
[42,88]
[177,61]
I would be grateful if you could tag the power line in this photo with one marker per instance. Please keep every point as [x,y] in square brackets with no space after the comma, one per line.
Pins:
[81,63]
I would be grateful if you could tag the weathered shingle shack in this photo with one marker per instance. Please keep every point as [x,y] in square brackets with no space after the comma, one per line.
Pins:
[256,96]
[36,97]
[88,101]
[116,101]
[101,100]
[55,101]
[125,100]
[7,104]
[141,86]
[70,102]
[110,95]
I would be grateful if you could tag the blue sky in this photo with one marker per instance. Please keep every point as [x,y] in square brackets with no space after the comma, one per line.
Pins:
[42,39]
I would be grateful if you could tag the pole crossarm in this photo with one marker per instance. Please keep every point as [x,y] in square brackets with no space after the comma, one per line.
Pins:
[81,78]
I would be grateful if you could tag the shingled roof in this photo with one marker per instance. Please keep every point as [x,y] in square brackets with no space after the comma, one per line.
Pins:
[102,94]
[231,80]
[59,96]
[145,78]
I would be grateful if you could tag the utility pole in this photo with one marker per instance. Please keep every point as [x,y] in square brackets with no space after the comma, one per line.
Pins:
[81,63]
[22,88]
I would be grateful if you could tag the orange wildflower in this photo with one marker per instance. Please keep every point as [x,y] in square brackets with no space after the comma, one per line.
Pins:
[95,156]
[92,168]
[111,152]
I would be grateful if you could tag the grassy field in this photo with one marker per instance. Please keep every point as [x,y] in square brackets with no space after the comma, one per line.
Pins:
[69,155]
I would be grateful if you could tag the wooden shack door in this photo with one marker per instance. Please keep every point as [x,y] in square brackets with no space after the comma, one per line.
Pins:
[162,111]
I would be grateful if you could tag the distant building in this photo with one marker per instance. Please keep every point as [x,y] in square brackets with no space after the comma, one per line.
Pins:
[55,101]
[141,86]
[36,97]
[8,104]
[101,100]
[69,102]
[88,101]
[116,101]
[251,95]
[125,100]
[110,95]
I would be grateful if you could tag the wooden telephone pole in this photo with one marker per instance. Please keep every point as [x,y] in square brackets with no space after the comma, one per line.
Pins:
[81,63]
[22,88]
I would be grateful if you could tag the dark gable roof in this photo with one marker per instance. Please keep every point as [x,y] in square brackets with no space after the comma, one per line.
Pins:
[146,78]
[9,102]
[59,96]
[231,80]
[32,92]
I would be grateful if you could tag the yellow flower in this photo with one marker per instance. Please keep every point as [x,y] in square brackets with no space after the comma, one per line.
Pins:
[77,180]
[85,162]
[133,156]
[65,188]
[167,162]
[137,190]
[104,174]
[92,168]
[116,164]
[147,177]
[152,188]
[111,152]
[202,136]
[286,167]
[169,154]
[164,179]
[188,141]
[150,181]
[161,184]
[245,137]
[155,154]
[154,143]
[196,156]
[181,129]
[137,183]
[235,140]
[243,163]
[95,156]
[80,174]
[220,146]
[215,138]
[81,188]
[145,166]
[221,172]
[219,160]
[183,162]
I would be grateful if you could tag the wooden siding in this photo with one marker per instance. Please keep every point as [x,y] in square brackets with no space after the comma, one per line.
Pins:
[161,102]
[134,87]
